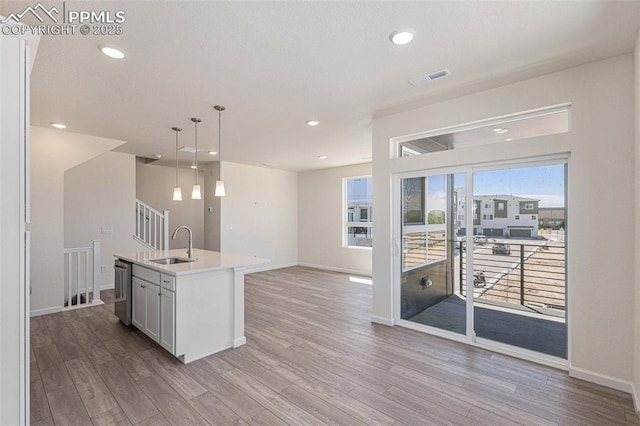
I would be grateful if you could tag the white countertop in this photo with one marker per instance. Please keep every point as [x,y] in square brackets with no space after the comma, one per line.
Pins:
[206,261]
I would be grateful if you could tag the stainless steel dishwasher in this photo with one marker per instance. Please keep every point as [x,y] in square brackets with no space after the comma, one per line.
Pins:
[122,291]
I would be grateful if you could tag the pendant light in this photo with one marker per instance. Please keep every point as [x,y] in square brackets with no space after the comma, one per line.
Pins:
[219,183]
[195,194]
[177,191]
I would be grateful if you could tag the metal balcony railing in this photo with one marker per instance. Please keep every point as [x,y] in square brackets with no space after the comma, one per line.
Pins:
[531,275]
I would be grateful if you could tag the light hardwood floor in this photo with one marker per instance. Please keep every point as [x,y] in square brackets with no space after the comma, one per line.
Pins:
[312,357]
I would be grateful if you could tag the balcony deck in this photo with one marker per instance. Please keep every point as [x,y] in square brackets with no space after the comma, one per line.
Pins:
[511,326]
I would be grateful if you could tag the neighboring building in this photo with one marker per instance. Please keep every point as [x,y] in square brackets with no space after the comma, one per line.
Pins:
[551,217]
[358,202]
[500,216]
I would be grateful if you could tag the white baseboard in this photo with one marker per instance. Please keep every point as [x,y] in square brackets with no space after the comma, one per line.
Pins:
[384,321]
[636,398]
[333,269]
[107,287]
[604,380]
[46,311]
[270,267]
[239,341]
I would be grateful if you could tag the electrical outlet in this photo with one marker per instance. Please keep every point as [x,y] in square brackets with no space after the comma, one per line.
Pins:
[103,269]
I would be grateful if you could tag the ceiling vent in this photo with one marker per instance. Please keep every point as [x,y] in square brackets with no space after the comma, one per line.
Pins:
[427,78]
[189,149]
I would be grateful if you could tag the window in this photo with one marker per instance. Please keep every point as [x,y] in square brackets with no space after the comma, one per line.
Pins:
[517,217]
[500,206]
[533,217]
[528,206]
[540,122]
[490,217]
[357,226]
[486,206]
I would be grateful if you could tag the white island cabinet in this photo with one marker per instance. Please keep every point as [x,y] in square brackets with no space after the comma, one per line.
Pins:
[192,309]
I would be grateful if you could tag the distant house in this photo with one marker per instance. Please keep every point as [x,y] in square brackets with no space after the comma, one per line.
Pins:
[500,216]
[551,217]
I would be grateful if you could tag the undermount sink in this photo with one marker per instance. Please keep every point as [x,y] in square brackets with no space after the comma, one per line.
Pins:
[171,260]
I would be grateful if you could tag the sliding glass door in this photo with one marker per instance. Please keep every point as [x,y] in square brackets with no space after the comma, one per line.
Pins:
[483,254]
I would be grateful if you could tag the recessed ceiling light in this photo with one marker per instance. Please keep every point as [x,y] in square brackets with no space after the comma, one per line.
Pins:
[322,157]
[401,37]
[59,125]
[508,139]
[213,152]
[112,52]
[193,166]
[500,131]
[313,122]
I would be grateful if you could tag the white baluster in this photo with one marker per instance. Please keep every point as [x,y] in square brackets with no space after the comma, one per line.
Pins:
[78,253]
[69,278]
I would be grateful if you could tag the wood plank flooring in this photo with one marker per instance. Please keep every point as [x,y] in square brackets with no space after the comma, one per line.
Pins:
[312,357]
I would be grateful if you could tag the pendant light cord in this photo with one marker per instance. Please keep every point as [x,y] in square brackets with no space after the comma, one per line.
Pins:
[176,130]
[196,121]
[196,152]
[219,108]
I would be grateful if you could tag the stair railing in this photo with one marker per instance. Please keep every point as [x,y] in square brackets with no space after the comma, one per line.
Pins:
[82,276]
[152,226]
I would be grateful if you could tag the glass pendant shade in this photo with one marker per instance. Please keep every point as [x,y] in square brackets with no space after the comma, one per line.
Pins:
[195,194]
[177,194]
[219,192]
[177,191]
[220,189]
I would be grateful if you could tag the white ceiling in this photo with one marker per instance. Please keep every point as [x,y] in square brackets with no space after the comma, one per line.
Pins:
[275,65]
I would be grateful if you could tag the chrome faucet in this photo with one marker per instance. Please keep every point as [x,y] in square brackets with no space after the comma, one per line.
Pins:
[190,249]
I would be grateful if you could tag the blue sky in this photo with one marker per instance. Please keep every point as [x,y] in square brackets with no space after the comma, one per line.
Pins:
[545,183]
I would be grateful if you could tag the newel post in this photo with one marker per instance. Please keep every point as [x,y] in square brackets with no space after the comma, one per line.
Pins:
[97,256]
[165,237]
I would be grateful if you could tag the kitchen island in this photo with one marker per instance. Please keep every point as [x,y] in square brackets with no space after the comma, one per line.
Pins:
[192,307]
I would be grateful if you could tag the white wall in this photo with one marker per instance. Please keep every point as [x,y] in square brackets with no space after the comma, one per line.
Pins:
[154,186]
[601,143]
[101,193]
[260,213]
[211,208]
[52,153]
[320,221]
[636,333]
